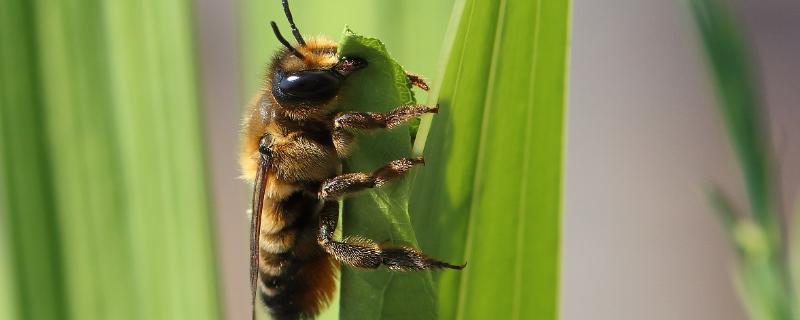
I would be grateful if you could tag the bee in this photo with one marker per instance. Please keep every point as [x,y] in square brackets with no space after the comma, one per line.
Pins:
[294,137]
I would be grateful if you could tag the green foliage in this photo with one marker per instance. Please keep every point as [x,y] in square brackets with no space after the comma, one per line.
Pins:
[380,214]
[105,187]
[739,102]
[491,192]
[31,254]
[763,276]
[8,299]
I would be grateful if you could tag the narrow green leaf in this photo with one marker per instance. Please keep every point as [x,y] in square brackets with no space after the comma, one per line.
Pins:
[8,294]
[763,278]
[752,240]
[725,211]
[762,288]
[31,257]
[794,256]
[123,145]
[739,99]
[85,173]
[762,292]
[159,129]
[491,192]
[380,214]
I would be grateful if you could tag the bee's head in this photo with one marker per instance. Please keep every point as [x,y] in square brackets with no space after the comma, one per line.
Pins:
[310,73]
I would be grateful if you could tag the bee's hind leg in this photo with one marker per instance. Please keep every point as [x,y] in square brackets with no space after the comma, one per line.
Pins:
[341,185]
[365,253]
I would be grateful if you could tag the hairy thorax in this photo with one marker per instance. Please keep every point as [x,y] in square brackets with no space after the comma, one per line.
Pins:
[306,155]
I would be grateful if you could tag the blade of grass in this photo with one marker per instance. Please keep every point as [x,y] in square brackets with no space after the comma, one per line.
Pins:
[490,194]
[122,120]
[168,212]
[8,297]
[32,287]
[763,278]
[738,95]
[86,186]
[794,255]
[725,211]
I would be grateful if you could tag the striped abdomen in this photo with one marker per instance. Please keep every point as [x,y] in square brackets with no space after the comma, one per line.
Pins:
[297,276]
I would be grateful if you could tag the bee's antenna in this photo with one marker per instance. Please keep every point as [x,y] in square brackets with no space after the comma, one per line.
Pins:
[284,42]
[295,32]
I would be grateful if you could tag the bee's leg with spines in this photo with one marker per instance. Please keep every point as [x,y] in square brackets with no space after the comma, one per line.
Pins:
[417,81]
[364,253]
[380,120]
[346,123]
[341,185]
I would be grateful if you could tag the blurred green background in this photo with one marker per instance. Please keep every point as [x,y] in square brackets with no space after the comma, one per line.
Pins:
[105,188]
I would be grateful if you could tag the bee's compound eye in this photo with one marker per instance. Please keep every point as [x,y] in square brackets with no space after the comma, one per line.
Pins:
[311,85]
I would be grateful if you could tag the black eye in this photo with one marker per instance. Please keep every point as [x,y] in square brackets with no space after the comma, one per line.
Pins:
[311,85]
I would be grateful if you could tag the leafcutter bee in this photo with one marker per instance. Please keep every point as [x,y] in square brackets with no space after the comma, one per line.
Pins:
[294,135]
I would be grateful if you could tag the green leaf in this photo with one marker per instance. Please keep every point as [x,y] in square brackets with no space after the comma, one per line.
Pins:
[106,182]
[739,100]
[725,211]
[490,193]
[763,274]
[794,254]
[159,131]
[380,214]
[31,257]
[762,290]
[8,298]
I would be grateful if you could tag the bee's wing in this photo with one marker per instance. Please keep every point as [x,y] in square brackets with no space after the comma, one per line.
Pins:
[255,224]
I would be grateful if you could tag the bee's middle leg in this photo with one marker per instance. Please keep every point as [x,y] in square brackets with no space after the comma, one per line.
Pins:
[341,185]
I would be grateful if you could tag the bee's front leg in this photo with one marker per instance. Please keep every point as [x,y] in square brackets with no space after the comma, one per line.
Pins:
[348,122]
[342,185]
[380,120]
[417,81]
